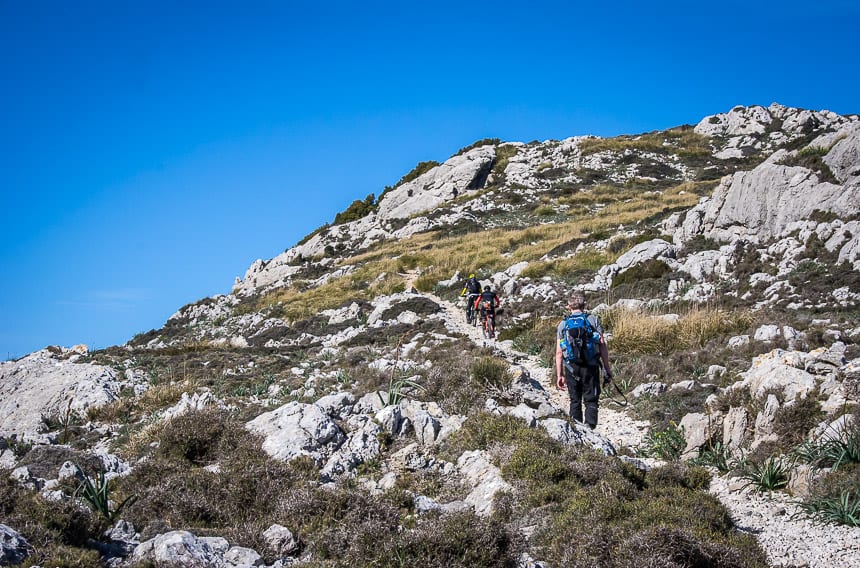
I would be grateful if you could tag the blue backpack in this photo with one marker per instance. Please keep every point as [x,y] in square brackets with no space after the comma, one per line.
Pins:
[580,343]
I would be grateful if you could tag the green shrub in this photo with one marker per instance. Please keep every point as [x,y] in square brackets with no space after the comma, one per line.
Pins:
[842,510]
[677,474]
[356,210]
[812,158]
[491,374]
[650,269]
[478,144]
[667,444]
[770,475]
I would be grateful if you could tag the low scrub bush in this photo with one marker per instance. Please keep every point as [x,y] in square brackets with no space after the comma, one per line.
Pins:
[666,444]
[60,532]
[491,374]
[665,524]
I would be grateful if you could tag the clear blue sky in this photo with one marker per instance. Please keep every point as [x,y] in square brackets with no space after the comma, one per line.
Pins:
[151,150]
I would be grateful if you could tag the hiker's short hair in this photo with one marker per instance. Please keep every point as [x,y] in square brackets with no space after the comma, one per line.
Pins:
[577,301]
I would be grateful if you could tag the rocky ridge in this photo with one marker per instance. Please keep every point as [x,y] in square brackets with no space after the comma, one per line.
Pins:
[754,210]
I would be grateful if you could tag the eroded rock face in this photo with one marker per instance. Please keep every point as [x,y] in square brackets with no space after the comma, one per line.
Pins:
[44,384]
[443,183]
[761,204]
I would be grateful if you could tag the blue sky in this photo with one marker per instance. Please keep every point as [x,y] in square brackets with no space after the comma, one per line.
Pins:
[150,151]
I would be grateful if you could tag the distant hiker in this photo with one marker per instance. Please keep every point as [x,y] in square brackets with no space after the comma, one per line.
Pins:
[580,353]
[471,290]
[487,303]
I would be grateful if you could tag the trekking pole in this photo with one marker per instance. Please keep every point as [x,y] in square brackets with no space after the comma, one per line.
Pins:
[617,389]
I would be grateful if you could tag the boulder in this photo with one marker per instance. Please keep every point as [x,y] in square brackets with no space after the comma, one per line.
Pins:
[778,370]
[362,445]
[767,333]
[577,434]
[44,383]
[648,389]
[825,361]
[338,405]
[14,548]
[735,426]
[297,429]
[697,428]
[764,421]
[484,478]
[649,250]
[281,540]
[181,549]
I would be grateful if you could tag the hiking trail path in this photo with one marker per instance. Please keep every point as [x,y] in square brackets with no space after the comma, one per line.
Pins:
[788,538]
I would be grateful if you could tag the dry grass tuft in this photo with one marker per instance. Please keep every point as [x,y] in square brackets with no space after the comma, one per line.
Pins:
[640,331]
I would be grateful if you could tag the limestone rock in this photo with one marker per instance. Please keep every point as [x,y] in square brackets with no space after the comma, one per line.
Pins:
[362,445]
[843,159]
[297,429]
[281,540]
[14,548]
[445,182]
[43,384]
[648,389]
[338,405]
[698,429]
[485,479]
[767,333]
[735,426]
[577,434]
[778,369]
[764,421]
[649,250]
[182,548]
[761,204]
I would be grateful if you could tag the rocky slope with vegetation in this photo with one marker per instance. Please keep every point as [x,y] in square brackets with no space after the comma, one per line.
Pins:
[335,409]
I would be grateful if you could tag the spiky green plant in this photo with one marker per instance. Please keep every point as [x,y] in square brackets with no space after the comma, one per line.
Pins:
[666,444]
[96,494]
[843,510]
[770,475]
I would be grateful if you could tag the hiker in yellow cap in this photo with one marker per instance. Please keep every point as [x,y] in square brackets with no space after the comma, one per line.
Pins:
[471,290]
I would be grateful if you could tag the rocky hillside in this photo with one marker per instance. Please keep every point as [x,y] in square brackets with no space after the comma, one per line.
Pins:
[336,409]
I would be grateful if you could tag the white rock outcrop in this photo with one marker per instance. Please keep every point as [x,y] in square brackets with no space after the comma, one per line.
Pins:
[297,429]
[45,384]
[445,182]
[184,549]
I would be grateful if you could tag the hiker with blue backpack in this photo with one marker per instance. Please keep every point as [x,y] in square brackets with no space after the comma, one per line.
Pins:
[580,354]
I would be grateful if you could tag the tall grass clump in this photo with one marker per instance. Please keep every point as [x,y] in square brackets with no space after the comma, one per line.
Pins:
[641,331]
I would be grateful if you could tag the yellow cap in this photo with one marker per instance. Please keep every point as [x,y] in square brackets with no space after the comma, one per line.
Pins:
[471,276]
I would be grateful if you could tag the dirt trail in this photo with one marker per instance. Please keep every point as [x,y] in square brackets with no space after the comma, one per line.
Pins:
[823,546]
[616,425]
